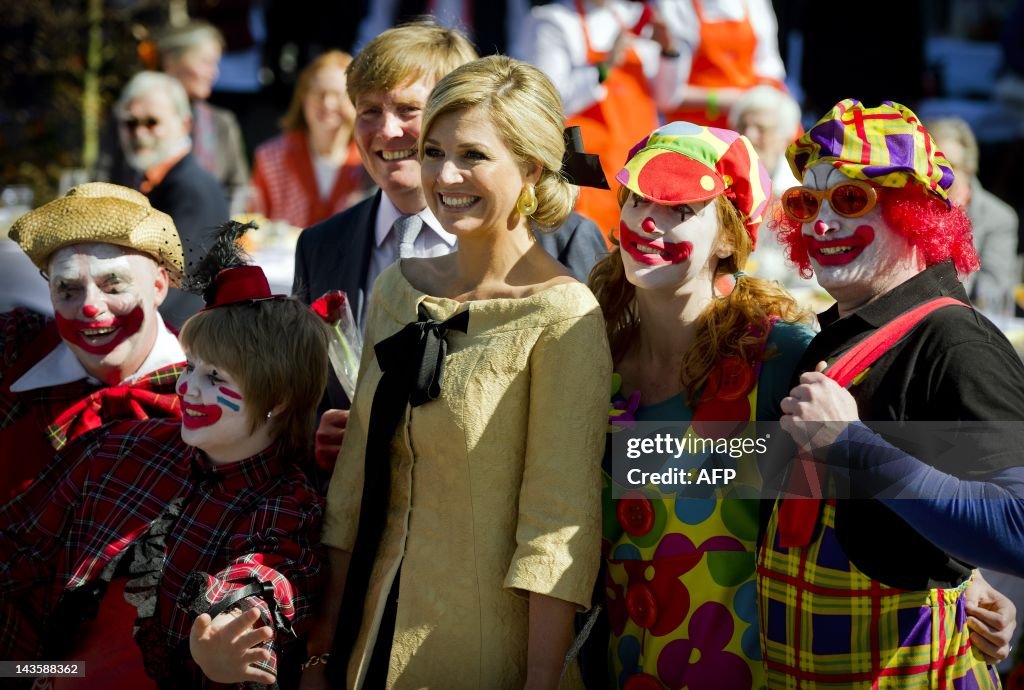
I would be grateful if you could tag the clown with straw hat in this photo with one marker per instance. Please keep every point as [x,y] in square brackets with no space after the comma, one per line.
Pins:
[183,553]
[880,592]
[109,258]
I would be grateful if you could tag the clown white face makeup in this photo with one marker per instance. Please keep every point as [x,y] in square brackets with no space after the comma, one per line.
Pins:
[214,414]
[855,259]
[105,300]
[668,246]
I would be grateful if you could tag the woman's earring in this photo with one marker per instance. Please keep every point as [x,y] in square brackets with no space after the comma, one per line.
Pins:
[269,414]
[526,204]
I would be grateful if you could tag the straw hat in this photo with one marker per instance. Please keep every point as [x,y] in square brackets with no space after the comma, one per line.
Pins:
[104,213]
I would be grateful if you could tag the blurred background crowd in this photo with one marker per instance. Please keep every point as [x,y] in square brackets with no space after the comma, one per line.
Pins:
[264,117]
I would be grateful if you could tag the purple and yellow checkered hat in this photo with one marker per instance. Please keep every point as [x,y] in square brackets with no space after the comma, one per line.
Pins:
[886,145]
[682,162]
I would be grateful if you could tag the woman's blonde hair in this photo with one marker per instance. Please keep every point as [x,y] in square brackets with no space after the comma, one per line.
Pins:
[524,107]
[294,119]
[277,351]
[735,325]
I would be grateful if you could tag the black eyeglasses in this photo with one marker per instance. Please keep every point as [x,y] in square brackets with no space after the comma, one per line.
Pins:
[132,123]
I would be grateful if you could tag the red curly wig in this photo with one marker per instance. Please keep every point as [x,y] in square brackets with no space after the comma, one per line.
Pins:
[939,231]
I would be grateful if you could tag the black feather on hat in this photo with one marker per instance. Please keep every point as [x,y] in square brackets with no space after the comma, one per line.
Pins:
[225,275]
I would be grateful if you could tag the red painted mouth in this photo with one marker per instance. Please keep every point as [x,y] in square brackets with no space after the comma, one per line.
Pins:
[198,416]
[658,252]
[840,251]
[100,337]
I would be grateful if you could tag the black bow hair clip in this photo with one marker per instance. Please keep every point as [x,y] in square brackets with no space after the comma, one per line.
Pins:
[579,167]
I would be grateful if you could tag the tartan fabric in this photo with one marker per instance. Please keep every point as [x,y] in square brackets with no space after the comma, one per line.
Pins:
[153,395]
[825,624]
[35,423]
[27,337]
[886,145]
[255,518]
[19,329]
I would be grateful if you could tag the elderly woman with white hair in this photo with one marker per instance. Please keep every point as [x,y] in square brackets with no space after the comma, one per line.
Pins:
[191,54]
[770,118]
[993,221]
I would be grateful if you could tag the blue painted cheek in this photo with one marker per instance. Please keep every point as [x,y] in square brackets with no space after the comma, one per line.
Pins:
[228,404]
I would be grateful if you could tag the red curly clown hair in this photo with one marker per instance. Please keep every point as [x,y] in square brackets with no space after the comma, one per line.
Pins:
[940,232]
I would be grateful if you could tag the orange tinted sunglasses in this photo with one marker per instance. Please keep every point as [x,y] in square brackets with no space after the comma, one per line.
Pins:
[850,198]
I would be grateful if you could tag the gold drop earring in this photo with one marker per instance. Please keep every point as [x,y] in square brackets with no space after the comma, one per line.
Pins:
[526,204]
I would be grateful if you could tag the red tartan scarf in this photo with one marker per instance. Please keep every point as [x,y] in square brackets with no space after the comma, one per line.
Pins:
[153,395]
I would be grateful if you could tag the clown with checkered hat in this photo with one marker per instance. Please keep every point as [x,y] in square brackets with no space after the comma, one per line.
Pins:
[881,591]
[109,258]
[694,339]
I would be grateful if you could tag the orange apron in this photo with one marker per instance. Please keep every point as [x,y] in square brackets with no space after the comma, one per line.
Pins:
[612,126]
[724,59]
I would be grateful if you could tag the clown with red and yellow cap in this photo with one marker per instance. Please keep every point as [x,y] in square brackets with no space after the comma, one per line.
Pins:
[877,592]
[694,341]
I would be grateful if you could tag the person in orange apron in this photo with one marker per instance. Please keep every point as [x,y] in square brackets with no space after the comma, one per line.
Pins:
[592,52]
[725,47]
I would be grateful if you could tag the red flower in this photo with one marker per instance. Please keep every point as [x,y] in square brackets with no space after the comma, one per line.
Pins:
[330,307]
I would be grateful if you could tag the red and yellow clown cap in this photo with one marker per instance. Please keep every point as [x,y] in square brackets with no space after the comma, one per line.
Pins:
[886,145]
[681,162]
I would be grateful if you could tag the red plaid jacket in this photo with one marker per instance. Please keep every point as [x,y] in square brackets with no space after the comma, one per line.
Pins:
[36,423]
[285,186]
[255,518]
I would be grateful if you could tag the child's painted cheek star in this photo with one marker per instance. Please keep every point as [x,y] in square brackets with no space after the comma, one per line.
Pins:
[229,403]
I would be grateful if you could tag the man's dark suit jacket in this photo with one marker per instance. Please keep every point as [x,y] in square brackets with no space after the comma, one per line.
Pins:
[335,255]
[195,200]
